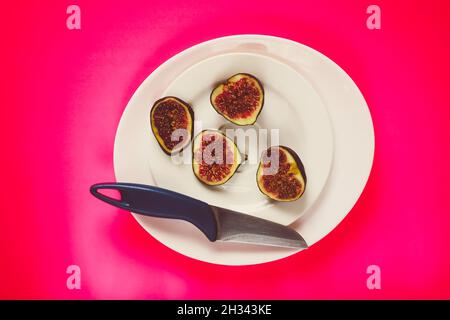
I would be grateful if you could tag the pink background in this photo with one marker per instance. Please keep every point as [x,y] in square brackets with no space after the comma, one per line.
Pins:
[62,95]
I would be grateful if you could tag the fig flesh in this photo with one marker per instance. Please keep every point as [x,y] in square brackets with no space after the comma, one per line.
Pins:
[240,99]
[172,122]
[215,157]
[281,175]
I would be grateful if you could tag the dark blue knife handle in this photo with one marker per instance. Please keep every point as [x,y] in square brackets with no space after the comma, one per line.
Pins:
[161,203]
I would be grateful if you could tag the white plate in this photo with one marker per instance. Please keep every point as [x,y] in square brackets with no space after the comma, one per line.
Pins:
[352,158]
[292,110]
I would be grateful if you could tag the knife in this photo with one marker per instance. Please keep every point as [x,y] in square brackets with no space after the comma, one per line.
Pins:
[217,224]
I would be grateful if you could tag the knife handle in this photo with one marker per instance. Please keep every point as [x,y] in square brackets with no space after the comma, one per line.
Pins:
[161,203]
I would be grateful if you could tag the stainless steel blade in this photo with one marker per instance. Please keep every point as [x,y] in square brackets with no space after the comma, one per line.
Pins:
[238,227]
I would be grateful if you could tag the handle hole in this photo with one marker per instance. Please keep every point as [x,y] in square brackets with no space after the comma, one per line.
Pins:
[111,193]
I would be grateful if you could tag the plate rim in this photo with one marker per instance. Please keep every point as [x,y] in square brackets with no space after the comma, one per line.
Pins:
[264,38]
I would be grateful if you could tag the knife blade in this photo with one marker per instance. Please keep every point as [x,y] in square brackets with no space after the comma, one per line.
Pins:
[239,227]
[216,223]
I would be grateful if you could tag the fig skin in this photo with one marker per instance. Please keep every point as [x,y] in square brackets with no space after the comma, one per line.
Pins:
[300,167]
[235,150]
[247,75]
[187,107]
[299,163]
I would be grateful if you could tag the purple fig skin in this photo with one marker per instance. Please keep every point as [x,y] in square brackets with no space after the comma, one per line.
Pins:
[193,154]
[191,115]
[299,164]
[226,82]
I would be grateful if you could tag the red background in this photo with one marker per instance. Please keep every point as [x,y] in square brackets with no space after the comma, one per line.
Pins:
[62,95]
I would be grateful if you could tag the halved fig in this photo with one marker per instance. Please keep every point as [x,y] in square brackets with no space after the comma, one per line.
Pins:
[215,157]
[172,122]
[240,99]
[281,175]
